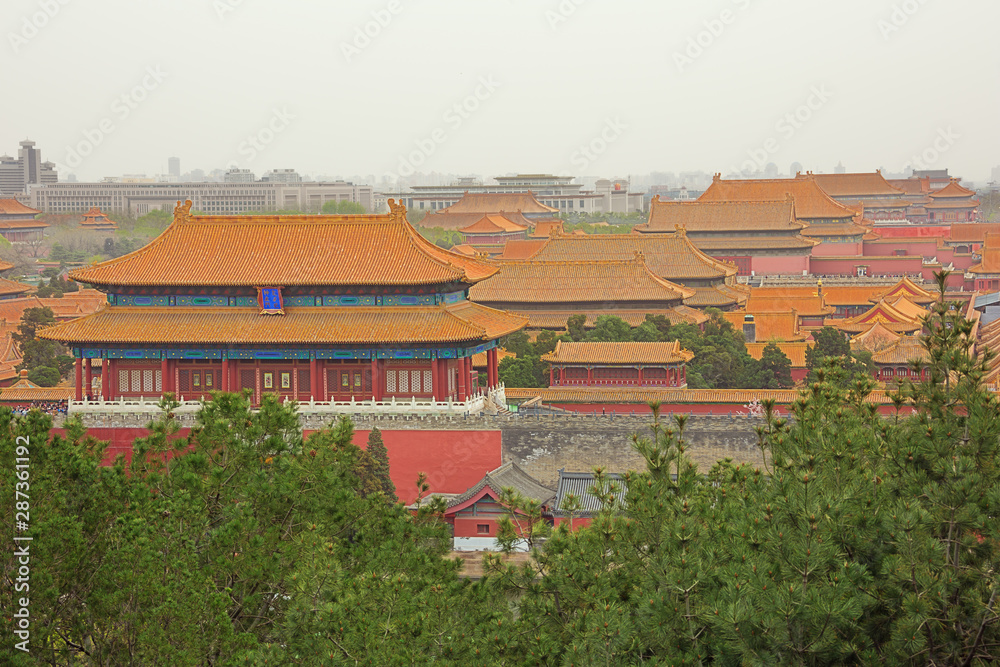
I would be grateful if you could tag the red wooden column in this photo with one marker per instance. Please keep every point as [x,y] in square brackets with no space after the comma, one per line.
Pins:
[552,376]
[164,375]
[79,379]
[86,376]
[494,367]
[590,376]
[112,379]
[314,378]
[437,377]
[376,380]
[106,379]
[226,374]
[684,374]
[463,377]
[640,376]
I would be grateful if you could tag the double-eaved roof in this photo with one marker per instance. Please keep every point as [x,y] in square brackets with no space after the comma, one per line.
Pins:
[618,281]
[287,250]
[811,202]
[861,185]
[721,216]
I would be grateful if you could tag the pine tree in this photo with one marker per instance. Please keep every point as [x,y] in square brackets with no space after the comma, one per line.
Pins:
[374,468]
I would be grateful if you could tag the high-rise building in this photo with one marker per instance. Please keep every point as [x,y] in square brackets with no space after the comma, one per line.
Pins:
[235,175]
[27,169]
[174,167]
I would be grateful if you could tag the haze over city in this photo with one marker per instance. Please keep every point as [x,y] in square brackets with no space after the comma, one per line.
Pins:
[570,87]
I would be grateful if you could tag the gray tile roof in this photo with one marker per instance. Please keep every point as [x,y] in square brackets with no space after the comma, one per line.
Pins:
[579,483]
[512,475]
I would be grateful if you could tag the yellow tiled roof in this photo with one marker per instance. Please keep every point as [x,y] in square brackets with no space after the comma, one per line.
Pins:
[670,256]
[618,353]
[489,202]
[811,202]
[783,242]
[577,282]
[721,216]
[769,326]
[492,224]
[265,250]
[795,351]
[905,349]
[876,338]
[245,326]
[864,184]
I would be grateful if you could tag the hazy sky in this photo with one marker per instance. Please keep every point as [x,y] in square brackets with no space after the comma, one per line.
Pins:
[582,87]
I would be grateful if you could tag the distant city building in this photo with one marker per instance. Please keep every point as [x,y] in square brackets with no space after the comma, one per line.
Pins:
[795,168]
[174,167]
[235,175]
[28,169]
[282,176]
[210,198]
[995,175]
[557,192]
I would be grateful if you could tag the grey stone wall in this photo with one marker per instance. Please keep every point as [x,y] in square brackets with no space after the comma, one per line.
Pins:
[544,444]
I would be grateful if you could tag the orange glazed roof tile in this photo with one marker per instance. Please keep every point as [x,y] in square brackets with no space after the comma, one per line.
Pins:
[883,312]
[951,191]
[835,229]
[28,223]
[24,391]
[465,249]
[576,282]
[811,202]
[13,287]
[288,250]
[991,256]
[778,300]
[905,349]
[670,256]
[777,242]
[546,228]
[717,296]
[769,326]
[479,359]
[944,204]
[877,337]
[972,231]
[95,218]
[5,266]
[720,216]
[489,202]
[492,224]
[911,186]
[795,351]
[446,220]
[328,326]
[862,184]
[618,353]
[14,207]
[908,289]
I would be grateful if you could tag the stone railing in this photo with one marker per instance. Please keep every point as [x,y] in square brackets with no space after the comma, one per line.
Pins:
[138,411]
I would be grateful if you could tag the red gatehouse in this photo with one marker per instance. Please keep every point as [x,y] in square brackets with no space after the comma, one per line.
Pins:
[618,365]
[322,308]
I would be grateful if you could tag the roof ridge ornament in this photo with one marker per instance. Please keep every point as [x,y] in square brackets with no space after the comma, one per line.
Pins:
[182,212]
[397,212]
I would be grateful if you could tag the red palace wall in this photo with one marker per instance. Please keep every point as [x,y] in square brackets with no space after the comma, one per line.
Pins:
[784,265]
[847,266]
[836,249]
[942,231]
[453,461]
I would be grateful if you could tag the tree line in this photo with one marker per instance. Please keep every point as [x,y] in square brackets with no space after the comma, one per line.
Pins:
[865,539]
[721,360]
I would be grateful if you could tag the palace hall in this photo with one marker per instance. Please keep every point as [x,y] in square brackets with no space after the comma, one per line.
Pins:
[321,307]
